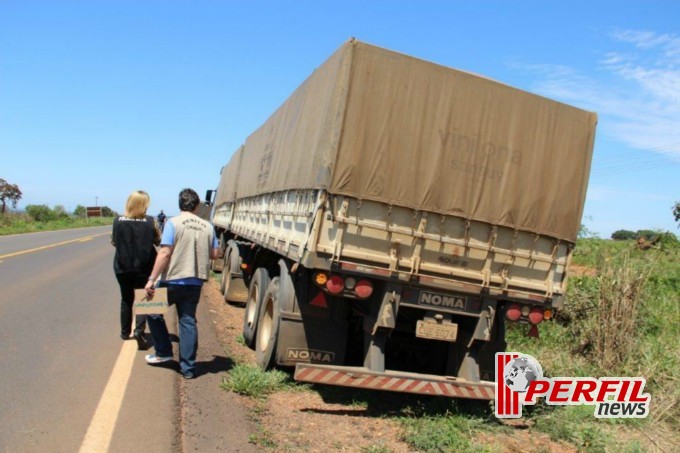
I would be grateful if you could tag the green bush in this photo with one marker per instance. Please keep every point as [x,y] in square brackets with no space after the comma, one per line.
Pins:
[41,212]
[647,234]
[623,235]
[80,211]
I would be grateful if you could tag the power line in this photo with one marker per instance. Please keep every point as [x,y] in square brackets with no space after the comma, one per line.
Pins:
[633,168]
[635,160]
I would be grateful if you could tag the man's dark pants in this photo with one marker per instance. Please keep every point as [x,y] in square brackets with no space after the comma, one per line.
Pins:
[185,298]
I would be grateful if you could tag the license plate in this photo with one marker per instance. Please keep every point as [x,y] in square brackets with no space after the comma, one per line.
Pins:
[436,331]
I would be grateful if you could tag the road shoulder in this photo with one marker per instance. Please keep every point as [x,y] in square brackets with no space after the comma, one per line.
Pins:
[211,418]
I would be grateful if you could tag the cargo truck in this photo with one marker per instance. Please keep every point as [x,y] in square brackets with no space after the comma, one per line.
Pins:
[392,216]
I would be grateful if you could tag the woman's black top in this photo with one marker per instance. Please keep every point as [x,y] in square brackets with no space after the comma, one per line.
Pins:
[134,240]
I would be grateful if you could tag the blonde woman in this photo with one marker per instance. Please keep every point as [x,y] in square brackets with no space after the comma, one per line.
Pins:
[134,236]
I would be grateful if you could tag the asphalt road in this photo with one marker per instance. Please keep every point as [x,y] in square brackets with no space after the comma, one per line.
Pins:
[67,381]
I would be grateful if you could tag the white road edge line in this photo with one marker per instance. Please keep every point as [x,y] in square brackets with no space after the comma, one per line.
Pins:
[99,434]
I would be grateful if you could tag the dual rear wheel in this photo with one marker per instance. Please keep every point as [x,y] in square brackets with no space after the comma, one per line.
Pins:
[262,315]
[269,321]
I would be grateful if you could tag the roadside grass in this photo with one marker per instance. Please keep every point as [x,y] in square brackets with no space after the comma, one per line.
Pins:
[263,438]
[577,426]
[22,223]
[376,448]
[447,432]
[240,339]
[251,380]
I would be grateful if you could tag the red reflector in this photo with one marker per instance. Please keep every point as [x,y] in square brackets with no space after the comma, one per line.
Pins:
[513,312]
[533,332]
[319,301]
[363,289]
[335,284]
[536,315]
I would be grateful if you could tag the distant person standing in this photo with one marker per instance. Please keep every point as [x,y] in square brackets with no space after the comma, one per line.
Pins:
[161,220]
[134,236]
[183,263]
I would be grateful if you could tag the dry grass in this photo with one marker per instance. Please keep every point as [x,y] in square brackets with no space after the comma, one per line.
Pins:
[622,285]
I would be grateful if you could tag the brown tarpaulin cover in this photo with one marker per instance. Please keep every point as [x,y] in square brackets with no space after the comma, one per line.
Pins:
[226,192]
[378,125]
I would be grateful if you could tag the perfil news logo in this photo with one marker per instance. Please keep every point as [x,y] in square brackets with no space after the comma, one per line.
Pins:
[520,381]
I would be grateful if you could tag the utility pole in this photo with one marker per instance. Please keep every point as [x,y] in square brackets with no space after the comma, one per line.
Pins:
[96,198]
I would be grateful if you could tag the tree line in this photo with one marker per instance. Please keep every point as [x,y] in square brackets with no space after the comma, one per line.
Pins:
[43,213]
[648,235]
[10,194]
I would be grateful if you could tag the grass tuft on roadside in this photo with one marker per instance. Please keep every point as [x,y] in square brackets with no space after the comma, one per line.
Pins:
[262,438]
[449,432]
[252,381]
[376,448]
[576,425]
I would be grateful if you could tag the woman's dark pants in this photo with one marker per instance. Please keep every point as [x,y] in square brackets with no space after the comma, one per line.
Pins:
[129,281]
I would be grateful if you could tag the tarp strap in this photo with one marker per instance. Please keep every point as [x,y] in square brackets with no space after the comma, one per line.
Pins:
[549,282]
[415,260]
[490,255]
[342,226]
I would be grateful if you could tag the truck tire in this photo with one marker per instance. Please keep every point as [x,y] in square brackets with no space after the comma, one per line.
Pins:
[268,326]
[256,291]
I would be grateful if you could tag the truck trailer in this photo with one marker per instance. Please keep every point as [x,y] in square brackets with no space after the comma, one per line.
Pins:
[389,219]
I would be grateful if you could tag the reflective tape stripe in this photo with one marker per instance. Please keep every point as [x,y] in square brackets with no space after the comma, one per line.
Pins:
[396,384]
[329,375]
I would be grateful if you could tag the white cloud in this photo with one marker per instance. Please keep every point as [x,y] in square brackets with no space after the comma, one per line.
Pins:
[636,92]
[669,44]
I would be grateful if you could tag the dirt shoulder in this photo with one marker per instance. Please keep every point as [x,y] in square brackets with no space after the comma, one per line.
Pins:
[301,420]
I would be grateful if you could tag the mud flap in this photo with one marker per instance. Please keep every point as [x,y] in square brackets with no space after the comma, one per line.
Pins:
[313,328]
[487,362]
[235,289]
[303,340]
[238,291]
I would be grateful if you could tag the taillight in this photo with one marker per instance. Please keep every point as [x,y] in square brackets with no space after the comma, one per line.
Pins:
[335,284]
[363,289]
[513,312]
[536,315]
[320,279]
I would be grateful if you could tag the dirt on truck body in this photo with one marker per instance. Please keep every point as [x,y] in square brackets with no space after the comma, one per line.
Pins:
[392,215]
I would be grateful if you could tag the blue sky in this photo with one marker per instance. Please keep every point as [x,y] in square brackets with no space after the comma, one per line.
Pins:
[99,98]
